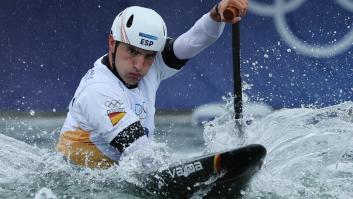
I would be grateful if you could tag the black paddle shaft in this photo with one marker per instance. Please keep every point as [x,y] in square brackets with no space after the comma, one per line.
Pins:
[238,100]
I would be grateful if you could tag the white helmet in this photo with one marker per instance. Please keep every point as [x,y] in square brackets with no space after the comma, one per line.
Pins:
[140,27]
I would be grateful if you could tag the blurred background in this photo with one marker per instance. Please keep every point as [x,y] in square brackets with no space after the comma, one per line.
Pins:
[293,52]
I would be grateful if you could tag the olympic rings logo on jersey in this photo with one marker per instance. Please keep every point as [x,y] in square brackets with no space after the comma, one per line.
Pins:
[140,110]
[114,106]
[278,11]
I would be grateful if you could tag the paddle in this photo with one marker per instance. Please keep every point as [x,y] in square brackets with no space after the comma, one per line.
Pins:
[229,14]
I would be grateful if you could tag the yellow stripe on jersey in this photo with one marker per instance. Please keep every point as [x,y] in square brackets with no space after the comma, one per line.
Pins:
[116,117]
[79,149]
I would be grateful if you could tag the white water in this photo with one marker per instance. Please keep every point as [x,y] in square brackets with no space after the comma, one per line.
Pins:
[310,155]
[309,151]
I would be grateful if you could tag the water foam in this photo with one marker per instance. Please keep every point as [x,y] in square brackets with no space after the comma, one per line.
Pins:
[310,152]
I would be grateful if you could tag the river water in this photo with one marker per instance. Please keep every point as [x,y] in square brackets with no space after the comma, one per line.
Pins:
[310,155]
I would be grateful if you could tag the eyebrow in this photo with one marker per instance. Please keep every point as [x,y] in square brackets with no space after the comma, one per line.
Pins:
[141,52]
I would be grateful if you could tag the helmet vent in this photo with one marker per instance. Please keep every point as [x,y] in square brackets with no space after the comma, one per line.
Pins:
[163,31]
[129,22]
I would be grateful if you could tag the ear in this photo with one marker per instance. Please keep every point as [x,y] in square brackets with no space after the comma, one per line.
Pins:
[111,43]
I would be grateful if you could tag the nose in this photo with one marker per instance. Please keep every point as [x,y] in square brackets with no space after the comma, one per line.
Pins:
[139,62]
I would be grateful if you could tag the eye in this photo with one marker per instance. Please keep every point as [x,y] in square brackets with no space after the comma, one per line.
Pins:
[132,51]
[150,56]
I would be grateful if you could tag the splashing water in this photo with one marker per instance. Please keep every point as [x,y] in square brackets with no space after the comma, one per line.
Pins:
[30,172]
[45,193]
[310,155]
[310,150]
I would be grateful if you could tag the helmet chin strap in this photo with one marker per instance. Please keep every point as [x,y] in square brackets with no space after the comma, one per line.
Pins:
[114,70]
[113,58]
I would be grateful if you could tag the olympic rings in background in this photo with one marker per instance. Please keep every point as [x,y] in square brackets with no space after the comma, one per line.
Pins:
[346,4]
[280,8]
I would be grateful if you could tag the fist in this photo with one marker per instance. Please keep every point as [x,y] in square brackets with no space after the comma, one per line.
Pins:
[232,10]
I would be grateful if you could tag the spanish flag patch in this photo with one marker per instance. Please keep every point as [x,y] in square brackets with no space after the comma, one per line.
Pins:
[116,117]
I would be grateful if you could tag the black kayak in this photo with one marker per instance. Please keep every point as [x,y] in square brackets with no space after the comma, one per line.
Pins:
[222,174]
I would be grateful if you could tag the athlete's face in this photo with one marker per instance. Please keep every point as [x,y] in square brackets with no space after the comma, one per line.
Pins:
[132,63]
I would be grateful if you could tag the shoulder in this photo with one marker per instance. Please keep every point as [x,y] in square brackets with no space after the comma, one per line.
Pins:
[99,84]
[105,89]
[100,78]
[169,57]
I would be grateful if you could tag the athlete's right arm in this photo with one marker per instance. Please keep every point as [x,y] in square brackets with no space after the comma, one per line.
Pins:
[128,136]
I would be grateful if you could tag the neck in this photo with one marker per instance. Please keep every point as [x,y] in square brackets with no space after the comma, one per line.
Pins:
[107,61]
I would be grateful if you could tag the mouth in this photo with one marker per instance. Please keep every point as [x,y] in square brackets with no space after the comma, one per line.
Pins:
[135,76]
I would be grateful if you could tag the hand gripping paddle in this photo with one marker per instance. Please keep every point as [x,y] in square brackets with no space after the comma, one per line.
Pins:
[230,12]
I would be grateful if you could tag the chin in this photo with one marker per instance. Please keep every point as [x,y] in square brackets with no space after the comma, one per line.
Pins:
[132,82]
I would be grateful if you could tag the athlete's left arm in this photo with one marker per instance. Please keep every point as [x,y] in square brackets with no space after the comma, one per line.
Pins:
[204,32]
[207,29]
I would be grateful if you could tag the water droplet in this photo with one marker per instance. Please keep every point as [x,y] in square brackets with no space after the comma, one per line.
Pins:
[32,112]
[45,193]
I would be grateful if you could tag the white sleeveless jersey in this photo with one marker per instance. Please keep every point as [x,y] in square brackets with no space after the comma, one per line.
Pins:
[104,106]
